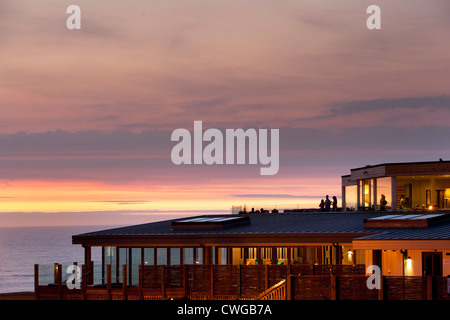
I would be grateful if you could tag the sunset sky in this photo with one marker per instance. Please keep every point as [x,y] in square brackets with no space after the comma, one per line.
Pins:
[86,115]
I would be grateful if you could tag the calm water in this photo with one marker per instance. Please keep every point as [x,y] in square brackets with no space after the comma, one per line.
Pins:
[23,247]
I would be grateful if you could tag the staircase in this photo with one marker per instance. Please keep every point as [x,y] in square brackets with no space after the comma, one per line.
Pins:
[276,292]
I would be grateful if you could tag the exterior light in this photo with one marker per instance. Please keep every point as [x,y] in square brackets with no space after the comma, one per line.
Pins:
[408,267]
[430,208]
[447,193]
[349,255]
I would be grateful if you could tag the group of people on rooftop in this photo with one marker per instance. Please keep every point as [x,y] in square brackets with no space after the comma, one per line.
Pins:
[328,205]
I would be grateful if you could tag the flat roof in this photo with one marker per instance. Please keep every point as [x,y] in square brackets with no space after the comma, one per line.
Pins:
[265,223]
[400,163]
[306,227]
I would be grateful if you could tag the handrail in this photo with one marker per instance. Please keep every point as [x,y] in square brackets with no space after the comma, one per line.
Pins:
[276,292]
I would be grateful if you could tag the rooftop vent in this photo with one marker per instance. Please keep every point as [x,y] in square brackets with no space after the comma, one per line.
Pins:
[217,222]
[406,220]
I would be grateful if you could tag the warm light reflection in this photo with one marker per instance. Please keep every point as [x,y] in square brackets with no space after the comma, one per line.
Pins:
[447,193]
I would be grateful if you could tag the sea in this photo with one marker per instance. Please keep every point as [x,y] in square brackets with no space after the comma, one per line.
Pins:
[23,247]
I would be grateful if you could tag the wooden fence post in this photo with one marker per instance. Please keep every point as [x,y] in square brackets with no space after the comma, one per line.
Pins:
[55,273]
[185,273]
[381,290]
[212,280]
[429,287]
[83,281]
[266,277]
[163,281]
[140,282]
[108,282]
[59,282]
[124,284]
[36,282]
[239,280]
[288,294]
[333,288]
[90,273]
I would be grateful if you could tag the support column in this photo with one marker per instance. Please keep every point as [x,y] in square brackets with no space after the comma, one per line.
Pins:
[375,200]
[338,256]
[194,253]
[103,265]
[319,255]
[245,254]
[433,196]
[303,255]
[393,193]
[358,194]
[258,255]
[206,255]
[87,254]
[89,264]
[343,203]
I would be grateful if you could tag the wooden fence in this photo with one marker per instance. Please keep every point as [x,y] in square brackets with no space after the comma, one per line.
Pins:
[233,282]
[354,287]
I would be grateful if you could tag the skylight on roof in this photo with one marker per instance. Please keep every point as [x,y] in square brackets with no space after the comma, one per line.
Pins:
[209,222]
[406,220]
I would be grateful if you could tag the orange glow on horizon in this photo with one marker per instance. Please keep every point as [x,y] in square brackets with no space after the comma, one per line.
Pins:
[141,199]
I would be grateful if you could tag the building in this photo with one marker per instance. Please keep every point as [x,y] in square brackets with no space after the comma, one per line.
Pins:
[401,244]
[404,186]
[407,240]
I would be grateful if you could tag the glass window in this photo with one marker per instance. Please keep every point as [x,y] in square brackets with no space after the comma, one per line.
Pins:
[188,255]
[366,193]
[123,260]
[223,256]
[351,199]
[384,193]
[174,256]
[199,256]
[135,262]
[149,256]
[161,256]
[110,259]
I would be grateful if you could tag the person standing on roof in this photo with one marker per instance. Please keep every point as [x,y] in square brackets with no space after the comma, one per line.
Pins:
[327,204]
[334,203]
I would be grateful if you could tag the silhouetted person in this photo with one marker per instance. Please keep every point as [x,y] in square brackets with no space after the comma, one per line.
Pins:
[383,202]
[327,203]
[402,202]
[334,203]
[322,205]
